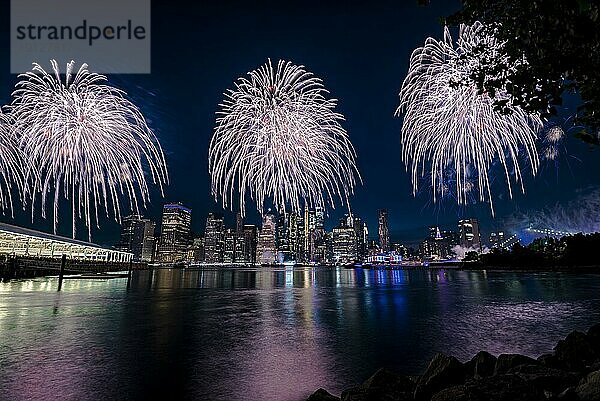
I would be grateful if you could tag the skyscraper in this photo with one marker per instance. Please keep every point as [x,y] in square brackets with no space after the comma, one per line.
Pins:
[266,251]
[468,230]
[238,256]
[229,245]
[250,242]
[137,237]
[344,242]
[361,235]
[384,235]
[174,233]
[285,252]
[213,239]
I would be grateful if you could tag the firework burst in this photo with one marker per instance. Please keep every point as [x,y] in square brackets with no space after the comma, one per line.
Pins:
[449,126]
[278,137]
[83,141]
[11,164]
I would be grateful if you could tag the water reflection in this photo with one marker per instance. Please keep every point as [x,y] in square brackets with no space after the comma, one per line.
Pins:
[247,334]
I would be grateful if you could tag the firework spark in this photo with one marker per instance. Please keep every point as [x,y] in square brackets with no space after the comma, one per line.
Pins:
[551,140]
[278,137]
[85,141]
[11,164]
[450,126]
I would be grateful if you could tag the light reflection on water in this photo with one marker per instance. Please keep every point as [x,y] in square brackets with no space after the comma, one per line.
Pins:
[263,334]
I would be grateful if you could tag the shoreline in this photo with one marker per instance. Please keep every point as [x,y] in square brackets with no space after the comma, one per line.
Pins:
[570,373]
[12,274]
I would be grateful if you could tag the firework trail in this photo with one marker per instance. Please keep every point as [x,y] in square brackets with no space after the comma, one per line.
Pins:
[278,137]
[85,141]
[11,164]
[449,126]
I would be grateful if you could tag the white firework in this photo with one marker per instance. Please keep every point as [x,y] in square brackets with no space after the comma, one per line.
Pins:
[279,138]
[449,126]
[84,141]
[11,164]
[551,141]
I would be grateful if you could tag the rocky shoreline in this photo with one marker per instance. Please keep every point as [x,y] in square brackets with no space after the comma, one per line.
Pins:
[570,373]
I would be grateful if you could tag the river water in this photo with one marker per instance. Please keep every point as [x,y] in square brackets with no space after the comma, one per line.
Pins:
[265,334]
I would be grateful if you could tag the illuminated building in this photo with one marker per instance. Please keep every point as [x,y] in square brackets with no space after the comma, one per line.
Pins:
[468,231]
[266,251]
[361,235]
[285,232]
[197,250]
[213,239]
[250,243]
[384,235]
[496,238]
[19,241]
[174,238]
[229,246]
[344,242]
[137,237]
[239,239]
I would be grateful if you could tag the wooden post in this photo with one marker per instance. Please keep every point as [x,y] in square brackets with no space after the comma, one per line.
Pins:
[63,261]
[129,274]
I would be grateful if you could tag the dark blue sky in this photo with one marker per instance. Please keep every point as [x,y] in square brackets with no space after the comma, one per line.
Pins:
[360,50]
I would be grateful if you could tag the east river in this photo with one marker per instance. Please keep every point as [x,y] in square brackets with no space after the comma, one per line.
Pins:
[269,334]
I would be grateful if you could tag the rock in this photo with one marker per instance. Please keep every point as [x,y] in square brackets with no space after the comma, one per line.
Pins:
[456,393]
[505,362]
[548,360]
[589,387]
[544,378]
[593,335]
[575,352]
[385,379]
[322,395]
[443,371]
[568,394]
[507,387]
[364,394]
[481,365]
[493,388]
[383,385]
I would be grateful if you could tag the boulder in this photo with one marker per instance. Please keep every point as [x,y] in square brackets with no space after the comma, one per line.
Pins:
[455,393]
[506,362]
[443,371]
[383,385]
[508,387]
[575,352]
[549,361]
[481,365]
[545,378]
[589,387]
[387,380]
[322,395]
[594,338]
[362,394]
[568,394]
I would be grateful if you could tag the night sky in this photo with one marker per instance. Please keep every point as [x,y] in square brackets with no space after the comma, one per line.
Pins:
[361,51]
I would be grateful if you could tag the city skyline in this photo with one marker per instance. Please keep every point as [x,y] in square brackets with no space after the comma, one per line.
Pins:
[301,238]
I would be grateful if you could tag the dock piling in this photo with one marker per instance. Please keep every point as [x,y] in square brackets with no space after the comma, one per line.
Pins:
[129,274]
[63,261]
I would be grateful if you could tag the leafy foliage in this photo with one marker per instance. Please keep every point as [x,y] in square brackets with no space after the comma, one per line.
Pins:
[550,47]
[572,250]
